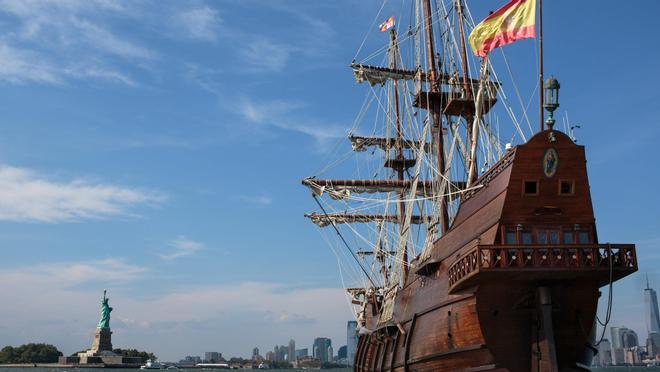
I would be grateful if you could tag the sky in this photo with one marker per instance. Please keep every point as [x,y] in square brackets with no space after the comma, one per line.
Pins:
[155,149]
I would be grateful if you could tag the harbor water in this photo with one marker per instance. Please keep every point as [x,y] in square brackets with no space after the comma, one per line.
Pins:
[45,369]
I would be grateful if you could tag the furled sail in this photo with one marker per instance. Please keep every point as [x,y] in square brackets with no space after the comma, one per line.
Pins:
[323,220]
[360,144]
[341,189]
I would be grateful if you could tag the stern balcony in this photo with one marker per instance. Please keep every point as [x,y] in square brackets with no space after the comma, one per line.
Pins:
[605,262]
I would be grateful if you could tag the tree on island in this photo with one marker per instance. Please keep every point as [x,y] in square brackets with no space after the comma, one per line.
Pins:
[135,353]
[30,353]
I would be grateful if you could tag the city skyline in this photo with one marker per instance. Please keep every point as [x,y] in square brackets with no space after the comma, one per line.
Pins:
[156,149]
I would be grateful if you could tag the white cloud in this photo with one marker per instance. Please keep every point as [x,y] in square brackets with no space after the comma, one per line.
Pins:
[20,66]
[182,247]
[27,196]
[199,23]
[101,73]
[68,274]
[282,114]
[24,66]
[105,41]
[64,40]
[67,24]
[264,55]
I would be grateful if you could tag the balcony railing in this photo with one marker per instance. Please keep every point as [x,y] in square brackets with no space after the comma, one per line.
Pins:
[544,262]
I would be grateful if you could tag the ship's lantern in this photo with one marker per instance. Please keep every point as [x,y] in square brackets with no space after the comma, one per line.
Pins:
[551,99]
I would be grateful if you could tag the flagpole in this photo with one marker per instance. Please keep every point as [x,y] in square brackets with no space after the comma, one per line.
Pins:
[541,64]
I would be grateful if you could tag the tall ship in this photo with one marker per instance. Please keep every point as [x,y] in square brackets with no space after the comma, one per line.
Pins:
[461,217]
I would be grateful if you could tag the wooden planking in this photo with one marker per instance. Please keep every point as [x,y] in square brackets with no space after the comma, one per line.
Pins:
[484,195]
[445,329]
[470,230]
[528,166]
[506,310]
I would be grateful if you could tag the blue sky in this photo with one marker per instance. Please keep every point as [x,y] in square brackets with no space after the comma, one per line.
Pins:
[156,149]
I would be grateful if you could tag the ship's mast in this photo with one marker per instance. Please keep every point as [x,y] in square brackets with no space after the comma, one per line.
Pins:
[398,139]
[464,65]
[435,114]
[467,92]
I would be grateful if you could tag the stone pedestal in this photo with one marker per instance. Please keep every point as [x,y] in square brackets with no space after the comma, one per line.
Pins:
[102,340]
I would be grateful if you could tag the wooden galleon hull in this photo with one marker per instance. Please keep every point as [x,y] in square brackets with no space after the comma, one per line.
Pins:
[513,285]
[494,328]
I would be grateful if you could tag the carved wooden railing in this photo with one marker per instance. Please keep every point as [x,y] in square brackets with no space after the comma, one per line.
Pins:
[621,259]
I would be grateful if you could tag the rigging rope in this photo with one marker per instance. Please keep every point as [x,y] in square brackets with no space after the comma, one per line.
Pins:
[345,243]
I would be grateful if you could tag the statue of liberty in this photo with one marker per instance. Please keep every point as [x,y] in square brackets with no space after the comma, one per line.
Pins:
[105,312]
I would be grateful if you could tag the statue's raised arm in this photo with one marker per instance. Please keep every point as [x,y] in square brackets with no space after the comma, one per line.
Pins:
[105,312]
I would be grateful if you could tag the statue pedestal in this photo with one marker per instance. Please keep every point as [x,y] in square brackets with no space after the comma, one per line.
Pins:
[102,340]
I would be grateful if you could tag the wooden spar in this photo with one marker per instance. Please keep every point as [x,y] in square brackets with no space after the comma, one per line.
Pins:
[467,88]
[329,219]
[472,169]
[435,114]
[360,143]
[379,74]
[399,150]
[366,183]
[424,187]
[541,64]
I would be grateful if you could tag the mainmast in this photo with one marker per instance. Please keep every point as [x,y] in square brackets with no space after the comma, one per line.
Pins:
[467,92]
[435,112]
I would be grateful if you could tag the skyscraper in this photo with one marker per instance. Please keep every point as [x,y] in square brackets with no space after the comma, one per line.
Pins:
[351,341]
[302,353]
[341,353]
[291,354]
[255,353]
[616,337]
[629,339]
[651,309]
[604,353]
[622,338]
[653,344]
[321,346]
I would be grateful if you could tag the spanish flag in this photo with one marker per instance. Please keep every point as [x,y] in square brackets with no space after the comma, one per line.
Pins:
[514,21]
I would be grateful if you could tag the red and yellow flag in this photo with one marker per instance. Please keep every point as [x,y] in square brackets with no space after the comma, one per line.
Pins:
[514,21]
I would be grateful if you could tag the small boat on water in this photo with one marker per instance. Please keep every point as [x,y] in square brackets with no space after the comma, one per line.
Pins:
[213,365]
[151,364]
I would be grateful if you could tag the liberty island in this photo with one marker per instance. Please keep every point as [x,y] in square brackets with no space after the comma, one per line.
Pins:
[101,353]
